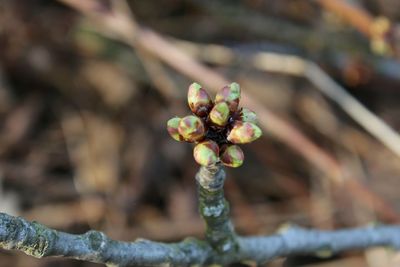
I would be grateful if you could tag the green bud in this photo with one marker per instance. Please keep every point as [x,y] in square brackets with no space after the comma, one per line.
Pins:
[220,114]
[199,101]
[206,153]
[232,156]
[229,94]
[172,127]
[244,132]
[191,128]
[246,115]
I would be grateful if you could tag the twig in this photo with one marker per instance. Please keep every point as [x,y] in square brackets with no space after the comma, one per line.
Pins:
[236,17]
[222,245]
[294,65]
[295,240]
[368,120]
[40,241]
[380,31]
[357,17]
[215,209]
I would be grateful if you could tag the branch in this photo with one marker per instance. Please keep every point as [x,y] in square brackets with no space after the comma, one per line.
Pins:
[215,210]
[295,240]
[355,16]
[40,241]
[222,245]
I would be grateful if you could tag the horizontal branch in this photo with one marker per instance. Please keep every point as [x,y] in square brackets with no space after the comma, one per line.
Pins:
[40,241]
[296,240]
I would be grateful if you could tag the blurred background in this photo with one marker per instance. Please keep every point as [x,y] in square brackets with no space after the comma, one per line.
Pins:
[86,88]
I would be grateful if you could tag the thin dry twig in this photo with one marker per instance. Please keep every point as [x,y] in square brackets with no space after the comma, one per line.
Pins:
[357,17]
[379,30]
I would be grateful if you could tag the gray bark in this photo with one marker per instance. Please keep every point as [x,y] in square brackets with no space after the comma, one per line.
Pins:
[40,241]
[214,209]
[221,246]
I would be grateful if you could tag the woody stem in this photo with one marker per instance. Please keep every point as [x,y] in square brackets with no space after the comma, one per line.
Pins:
[214,209]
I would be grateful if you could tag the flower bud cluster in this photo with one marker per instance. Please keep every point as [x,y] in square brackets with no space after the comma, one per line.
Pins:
[216,127]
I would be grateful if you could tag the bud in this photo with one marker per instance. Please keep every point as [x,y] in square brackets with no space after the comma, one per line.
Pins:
[199,101]
[246,115]
[172,127]
[232,156]
[206,153]
[220,114]
[191,128]
[244,132]
[229,94]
